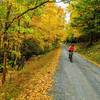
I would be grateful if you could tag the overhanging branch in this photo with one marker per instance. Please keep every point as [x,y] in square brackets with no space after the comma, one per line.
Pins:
[30,9]
[23,13]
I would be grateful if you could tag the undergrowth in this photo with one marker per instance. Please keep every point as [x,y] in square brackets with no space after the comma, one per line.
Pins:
[92,52]
[34,70]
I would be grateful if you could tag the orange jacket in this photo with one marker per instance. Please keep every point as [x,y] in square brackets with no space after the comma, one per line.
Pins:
[71,49]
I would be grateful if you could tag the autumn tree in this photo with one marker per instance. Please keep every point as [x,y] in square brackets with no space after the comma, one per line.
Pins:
[51,24]
[15,24]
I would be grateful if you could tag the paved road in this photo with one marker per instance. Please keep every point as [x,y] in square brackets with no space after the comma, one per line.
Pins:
[79,80]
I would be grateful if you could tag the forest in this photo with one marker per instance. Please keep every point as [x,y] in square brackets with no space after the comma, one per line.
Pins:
[32,28]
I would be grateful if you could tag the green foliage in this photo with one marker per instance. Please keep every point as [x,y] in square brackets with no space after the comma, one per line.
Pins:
[85,17]
[30,47]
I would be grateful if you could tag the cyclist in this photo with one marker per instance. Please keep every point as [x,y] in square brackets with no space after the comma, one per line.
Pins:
[71,49]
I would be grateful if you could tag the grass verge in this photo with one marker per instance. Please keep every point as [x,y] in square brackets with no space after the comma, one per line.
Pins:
[91,53]
[34,81]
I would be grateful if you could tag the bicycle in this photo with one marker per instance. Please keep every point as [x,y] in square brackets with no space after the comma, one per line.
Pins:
[71,56]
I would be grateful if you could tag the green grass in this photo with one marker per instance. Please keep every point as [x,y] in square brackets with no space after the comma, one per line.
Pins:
[92,52]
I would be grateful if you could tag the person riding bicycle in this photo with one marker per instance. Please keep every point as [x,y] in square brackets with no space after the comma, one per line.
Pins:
[71,49]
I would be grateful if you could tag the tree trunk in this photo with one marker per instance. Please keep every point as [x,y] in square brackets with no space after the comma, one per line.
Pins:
[5,40]
[91,39]
[4,68]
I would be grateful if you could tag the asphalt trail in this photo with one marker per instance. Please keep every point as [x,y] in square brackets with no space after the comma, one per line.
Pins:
[79,80]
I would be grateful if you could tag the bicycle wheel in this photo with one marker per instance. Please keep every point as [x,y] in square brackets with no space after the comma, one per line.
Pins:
[71,56]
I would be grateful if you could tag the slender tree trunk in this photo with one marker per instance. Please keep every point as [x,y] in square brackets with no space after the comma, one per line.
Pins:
[93,25]
[91,39]
[5,40]
[4,68]
[1,44]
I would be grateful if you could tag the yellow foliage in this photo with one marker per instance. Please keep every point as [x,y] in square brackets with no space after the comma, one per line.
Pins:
[50,23]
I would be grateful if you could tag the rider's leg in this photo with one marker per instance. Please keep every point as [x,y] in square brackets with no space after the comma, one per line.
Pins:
[71,56]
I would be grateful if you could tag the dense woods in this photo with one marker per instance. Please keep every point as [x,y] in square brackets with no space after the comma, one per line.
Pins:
[28,28]
[85,20]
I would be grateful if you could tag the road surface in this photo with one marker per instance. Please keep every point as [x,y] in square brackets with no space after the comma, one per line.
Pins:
[79,80]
